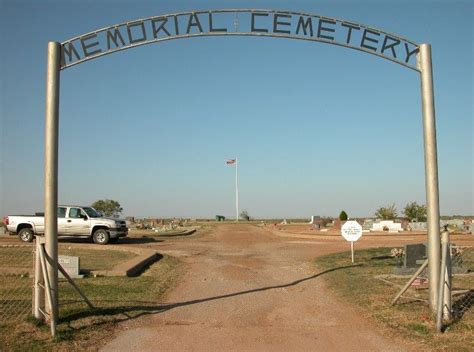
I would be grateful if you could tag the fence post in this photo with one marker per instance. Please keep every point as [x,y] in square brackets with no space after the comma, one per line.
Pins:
[447,304]
[444,293]
[38,300]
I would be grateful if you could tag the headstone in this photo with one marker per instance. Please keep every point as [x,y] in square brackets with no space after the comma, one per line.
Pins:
[70,266]
[367,225]
[414,253]
[315,219]
[414,257]
[417,226]
[456,223]
[469,228]
[386,225]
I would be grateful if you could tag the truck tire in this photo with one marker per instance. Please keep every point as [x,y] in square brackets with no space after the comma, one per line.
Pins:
[101,236]
[26,234]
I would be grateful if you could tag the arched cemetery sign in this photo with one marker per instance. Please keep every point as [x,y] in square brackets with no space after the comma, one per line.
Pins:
[266,23]
[242,22]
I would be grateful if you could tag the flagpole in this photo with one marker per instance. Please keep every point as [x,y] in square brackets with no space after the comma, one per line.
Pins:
[236,191]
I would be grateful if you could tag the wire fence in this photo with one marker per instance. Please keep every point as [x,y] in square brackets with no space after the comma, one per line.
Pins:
[462,258]
[462,283]
[16,281]
[17,278]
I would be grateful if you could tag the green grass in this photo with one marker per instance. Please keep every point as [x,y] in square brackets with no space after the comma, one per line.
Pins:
[91,259]
[22,257]
[19,257]
[418,328]
[409,318]
[115,299]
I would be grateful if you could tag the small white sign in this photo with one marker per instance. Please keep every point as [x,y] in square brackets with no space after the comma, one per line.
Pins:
[351,231]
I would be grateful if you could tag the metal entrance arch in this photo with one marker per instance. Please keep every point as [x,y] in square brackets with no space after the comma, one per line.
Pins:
[245,22]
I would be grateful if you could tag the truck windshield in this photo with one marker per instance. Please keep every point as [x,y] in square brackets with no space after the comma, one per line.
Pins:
[92,212]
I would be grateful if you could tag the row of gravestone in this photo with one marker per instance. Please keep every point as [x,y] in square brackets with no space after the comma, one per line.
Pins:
[414,257]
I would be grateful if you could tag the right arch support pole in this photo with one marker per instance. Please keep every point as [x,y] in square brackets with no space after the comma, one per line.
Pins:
[431,173]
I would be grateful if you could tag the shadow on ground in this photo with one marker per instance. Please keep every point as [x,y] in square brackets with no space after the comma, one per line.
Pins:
[127,240]
[463,304]
[145,308]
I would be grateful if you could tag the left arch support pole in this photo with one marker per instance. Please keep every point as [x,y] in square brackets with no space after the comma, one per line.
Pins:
[51,177]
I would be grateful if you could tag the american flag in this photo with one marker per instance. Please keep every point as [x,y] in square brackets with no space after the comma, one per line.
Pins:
[230,161]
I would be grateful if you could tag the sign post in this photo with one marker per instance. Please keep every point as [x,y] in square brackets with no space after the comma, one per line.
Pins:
[351,231]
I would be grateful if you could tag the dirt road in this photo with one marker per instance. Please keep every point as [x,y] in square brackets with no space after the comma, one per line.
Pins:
[246,289]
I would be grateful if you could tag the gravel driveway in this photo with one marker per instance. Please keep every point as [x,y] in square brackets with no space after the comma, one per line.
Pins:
[246,289]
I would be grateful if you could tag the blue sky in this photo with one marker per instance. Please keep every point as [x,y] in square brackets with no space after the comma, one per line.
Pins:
[317,128]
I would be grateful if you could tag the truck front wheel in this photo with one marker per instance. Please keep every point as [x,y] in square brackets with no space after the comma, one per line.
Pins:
[101,236]
[26,234]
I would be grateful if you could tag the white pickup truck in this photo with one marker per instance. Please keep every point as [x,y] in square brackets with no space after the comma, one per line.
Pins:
[74,221]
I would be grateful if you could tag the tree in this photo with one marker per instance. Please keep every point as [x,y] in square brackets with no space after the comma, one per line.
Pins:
[108,207]
[415,211]
[343,216]
[386,213]
[245,215]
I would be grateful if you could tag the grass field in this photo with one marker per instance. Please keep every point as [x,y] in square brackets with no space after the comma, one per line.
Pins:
[21,257]
[410,319]
[97,259]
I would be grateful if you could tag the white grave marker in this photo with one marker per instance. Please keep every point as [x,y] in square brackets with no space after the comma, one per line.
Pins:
[351,231]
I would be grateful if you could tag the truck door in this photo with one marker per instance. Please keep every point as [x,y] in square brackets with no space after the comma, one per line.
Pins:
[61,220]
[77,222]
